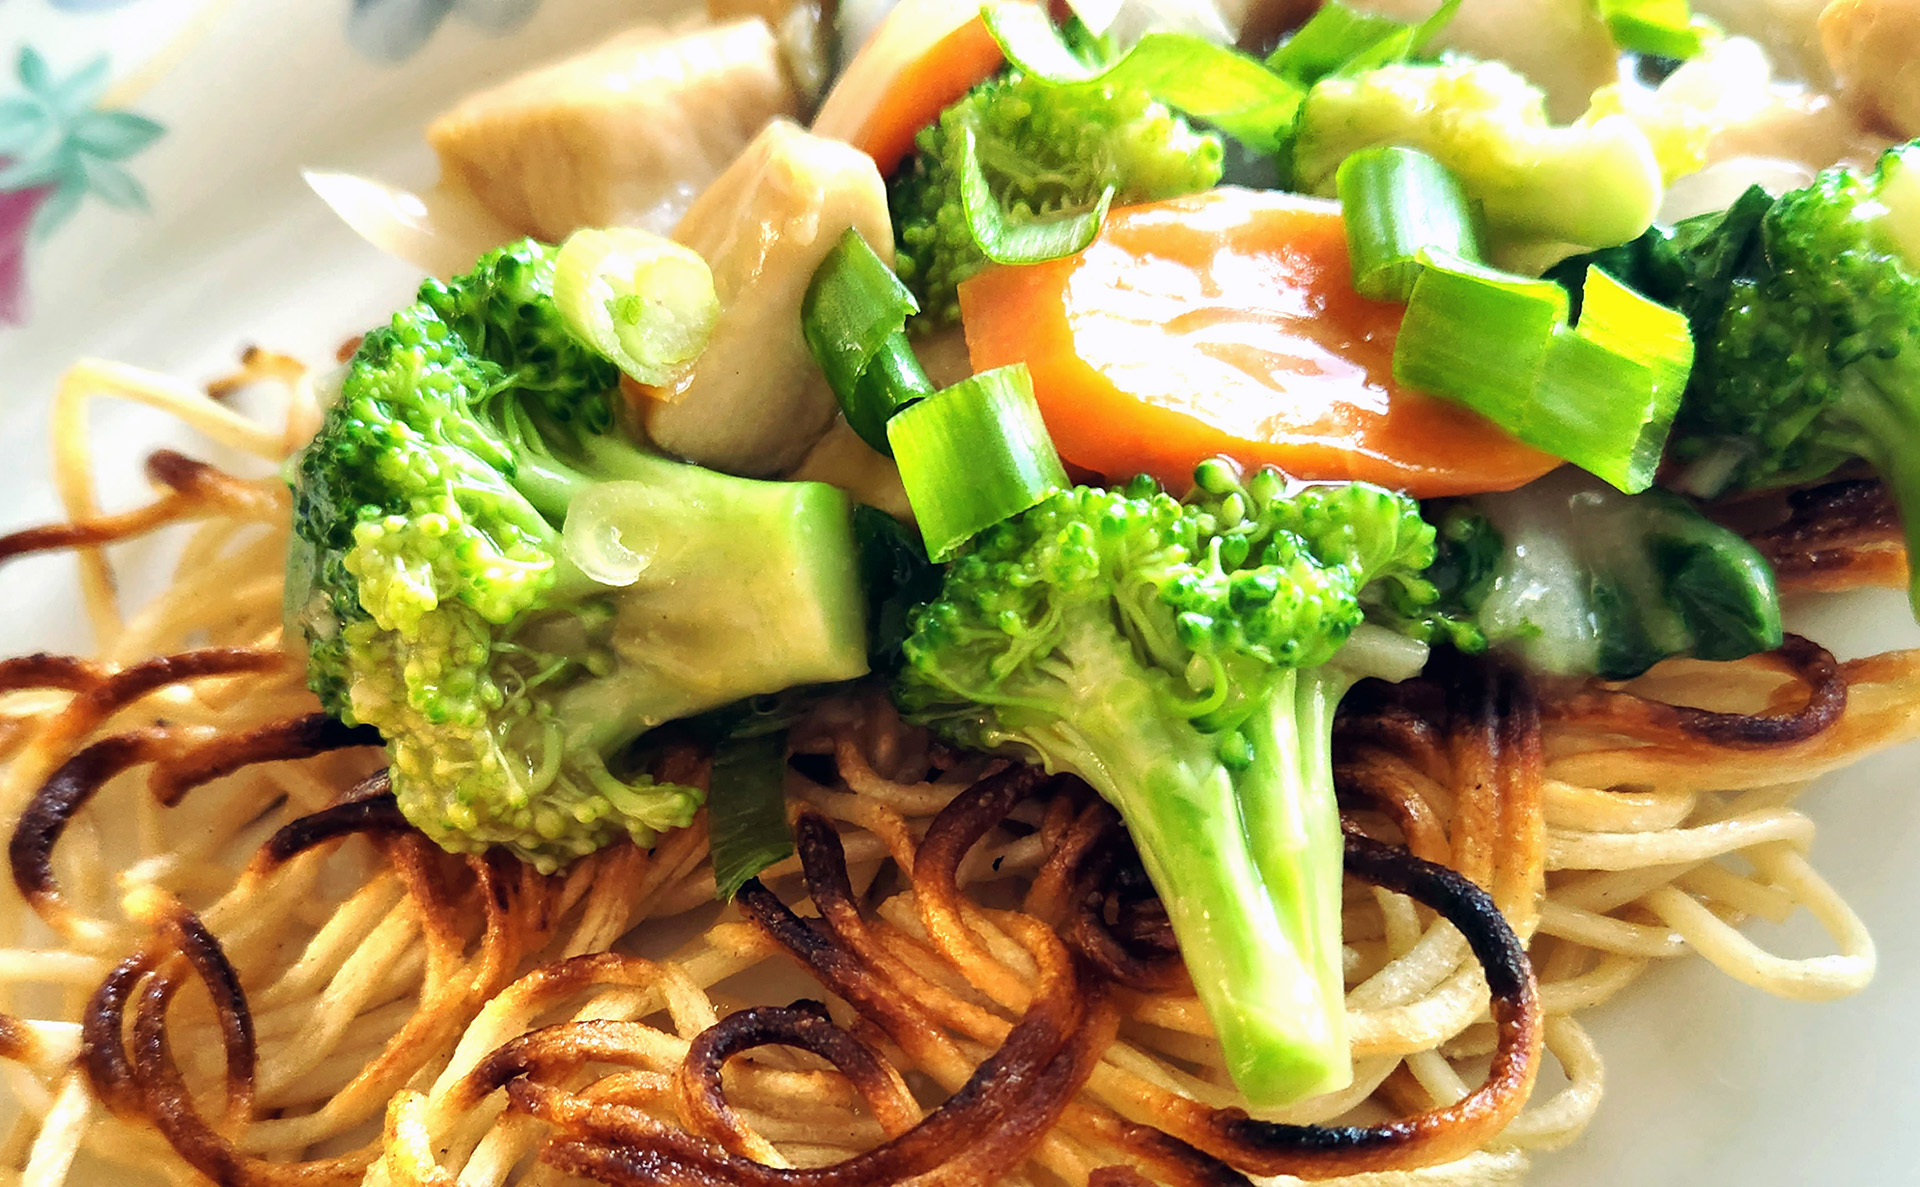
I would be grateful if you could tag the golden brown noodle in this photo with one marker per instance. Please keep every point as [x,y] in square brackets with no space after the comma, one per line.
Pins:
[228,958]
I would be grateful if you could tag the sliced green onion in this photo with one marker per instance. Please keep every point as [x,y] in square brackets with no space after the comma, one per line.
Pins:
[1342,40]
[1601,394]
[973,455]
[852,317]
[747,811]
[645,302]
[1396,203]
[1190,74]
[1632,399]
[1663,28]
[1620,319]
[1004,241]
[1478,335]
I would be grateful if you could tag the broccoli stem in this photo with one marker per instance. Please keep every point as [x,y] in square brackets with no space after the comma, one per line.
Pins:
[1885,418]
[1293,823]
[1248,864]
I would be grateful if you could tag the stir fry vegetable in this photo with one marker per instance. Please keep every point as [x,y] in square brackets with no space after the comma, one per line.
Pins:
[1186,659]
[1595,183]
[1807,310]
[487,571]
[1226,323]
[1046,153]
[1576,579]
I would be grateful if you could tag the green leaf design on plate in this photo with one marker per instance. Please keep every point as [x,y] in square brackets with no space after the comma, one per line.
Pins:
[54,136]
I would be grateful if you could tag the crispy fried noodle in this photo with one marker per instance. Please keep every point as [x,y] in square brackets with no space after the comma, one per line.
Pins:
[231,960]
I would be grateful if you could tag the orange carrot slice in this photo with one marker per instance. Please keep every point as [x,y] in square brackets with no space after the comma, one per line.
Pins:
[925,55]
[1226,323]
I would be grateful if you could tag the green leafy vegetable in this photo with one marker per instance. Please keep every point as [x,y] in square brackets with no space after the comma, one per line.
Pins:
[1186,660]
[1807,311]
[1342,40]
[897,576]
[486,571]
[1575,579]
[747,811]
[1190,74]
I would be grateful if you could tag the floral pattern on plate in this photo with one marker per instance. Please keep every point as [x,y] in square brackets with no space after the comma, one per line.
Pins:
[393,30]
[59,147]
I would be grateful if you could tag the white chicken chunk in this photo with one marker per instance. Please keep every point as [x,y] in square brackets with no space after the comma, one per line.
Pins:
[1874,49]
[624,134]
[755,403]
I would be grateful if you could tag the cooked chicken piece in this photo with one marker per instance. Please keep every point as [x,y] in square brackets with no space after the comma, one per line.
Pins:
[800,28]
[1786,29]
[626,133]
[842,459]
[755,403]
[1874,49]
[1731,88]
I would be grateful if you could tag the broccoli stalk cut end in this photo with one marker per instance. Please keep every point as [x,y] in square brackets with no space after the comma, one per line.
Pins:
[489,573]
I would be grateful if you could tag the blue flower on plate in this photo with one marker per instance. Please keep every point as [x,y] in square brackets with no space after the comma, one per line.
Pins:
[57,148]
[394,30]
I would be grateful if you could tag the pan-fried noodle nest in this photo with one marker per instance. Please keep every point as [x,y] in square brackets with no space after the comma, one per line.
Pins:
[231,959]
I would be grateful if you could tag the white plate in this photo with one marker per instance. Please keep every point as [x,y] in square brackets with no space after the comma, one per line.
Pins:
[1708,1082]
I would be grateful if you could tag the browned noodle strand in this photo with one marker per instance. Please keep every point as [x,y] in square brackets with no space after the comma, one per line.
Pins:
[1840,535]
[952,905]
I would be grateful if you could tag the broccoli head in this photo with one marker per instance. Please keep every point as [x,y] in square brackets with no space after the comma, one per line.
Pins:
[1806,308]
[1595,183]
[486,570]
[1186,658]
[1047,151]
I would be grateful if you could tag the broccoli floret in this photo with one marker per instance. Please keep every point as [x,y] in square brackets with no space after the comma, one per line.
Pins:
[511,591]
[1573,578]
[1186,658]
[1047,151]
[1596,183]
[1807,311]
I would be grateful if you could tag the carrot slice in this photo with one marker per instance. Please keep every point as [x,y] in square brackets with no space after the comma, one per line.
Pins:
[1226,323]
[925,55]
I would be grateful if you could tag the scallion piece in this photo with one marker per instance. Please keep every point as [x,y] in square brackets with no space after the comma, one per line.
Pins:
[1663,28]
[852,317]
[1004,241]
[1396,203]
[1601,394]
[1621,370]
[747,810]
[1190,74]
[645,302]
[1342,40]
[1478,335]
[973,455]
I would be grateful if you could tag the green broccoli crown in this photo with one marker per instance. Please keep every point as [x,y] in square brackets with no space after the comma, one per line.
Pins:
[1047,151]
[1815,356]
[1214,598]
[419,524]
[1186,658]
